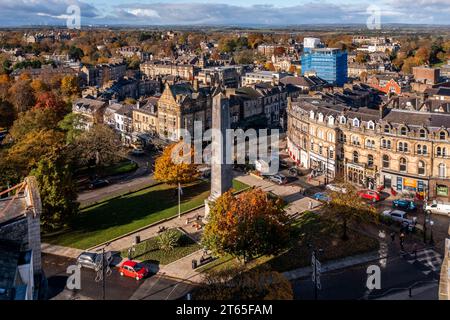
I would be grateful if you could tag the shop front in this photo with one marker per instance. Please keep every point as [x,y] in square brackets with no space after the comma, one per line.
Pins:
[297,154]
[322,164]
[404,184]
[440,190]
[355,174]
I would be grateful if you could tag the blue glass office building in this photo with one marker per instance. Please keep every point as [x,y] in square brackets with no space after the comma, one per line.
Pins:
[328,63]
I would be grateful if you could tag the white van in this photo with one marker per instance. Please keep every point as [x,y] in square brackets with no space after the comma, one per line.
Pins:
[438,208]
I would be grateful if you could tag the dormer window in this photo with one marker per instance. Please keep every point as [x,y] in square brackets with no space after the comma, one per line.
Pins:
[371,125]
[403,131]
[442,135]
[311,114]
[356,122]
[342,120]
[320,117]
[387,128]
[331,120]
[422,133]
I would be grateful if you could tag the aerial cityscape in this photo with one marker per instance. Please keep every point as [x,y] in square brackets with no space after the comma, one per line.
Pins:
[188,151]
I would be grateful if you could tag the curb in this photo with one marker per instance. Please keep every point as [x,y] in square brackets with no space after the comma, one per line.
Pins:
[90,205]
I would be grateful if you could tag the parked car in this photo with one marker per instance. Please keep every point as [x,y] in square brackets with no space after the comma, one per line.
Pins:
[99,183]
[404,204]
[133,269]
[321,196]
[400,217]
[336,188]
[89,260]
[437,208]
[138,152]
[370,195]
[278,178]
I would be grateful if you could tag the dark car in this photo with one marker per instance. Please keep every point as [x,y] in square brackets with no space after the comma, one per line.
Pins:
[404,204]
[98,184]
[89,260]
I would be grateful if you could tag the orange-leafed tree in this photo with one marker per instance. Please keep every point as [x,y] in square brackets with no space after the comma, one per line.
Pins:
[247,225]
[174,166]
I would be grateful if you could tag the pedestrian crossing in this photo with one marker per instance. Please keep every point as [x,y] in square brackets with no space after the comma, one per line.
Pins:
[427,260]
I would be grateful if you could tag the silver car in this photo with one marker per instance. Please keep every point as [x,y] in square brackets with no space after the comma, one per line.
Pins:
[89,260]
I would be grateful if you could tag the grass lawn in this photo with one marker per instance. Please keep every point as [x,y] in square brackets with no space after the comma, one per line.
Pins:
[121,168]
[149,251]
[115,217]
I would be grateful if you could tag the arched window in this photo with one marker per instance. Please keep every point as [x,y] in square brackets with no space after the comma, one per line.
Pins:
[320,134]
[387,128]
[370,161]
[442,170]
[403,131]
[386,162]
[424,150]
[311,114]
[371,125]
[356,122]
[421,168]
[402,147]
[355,140]
[342,120]
[442,135]
[441,152]
[422,133]
[419,149]
[402,166]
[355,157]
[304,143]
[330,137]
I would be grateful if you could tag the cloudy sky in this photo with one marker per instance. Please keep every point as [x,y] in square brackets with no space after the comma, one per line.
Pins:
[235,12]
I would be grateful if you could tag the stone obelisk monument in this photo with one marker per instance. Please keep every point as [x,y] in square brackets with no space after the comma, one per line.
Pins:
[221,167]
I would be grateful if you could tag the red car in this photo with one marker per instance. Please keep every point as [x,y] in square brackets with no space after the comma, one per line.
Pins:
[370,195]
[133,269]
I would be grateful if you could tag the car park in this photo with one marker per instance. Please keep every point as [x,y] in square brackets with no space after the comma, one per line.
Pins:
[278,178]
[321,196]
[133,269]
[404,204]
[371,195]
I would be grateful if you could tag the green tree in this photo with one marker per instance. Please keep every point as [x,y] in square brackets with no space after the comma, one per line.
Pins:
[71,125]
[168,240]
[33,120]
[57,190]
[347,208]
[246,225]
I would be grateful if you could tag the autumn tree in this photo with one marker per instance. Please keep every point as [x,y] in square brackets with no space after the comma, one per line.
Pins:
[246,225]
[269,66]
[170,167]
[22,95]
[49,101]
[347,208]
[99,146]
[70,86]
[57,190]
[237,283]
[362,57]
[7,114]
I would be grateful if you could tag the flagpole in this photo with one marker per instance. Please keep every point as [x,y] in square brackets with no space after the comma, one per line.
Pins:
[179,196]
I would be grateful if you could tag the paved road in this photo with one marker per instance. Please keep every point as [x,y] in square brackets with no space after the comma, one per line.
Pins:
[141,178]
[350,283]
[117,287]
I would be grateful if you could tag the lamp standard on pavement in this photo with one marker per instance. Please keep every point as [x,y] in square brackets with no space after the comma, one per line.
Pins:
[103,266]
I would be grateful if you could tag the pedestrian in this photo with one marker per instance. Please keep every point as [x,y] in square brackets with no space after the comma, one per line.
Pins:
[402,237]
[129,254]
[393,236]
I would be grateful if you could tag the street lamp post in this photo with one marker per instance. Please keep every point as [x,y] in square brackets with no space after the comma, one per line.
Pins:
[103,270]
[431,232]
[316,270]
